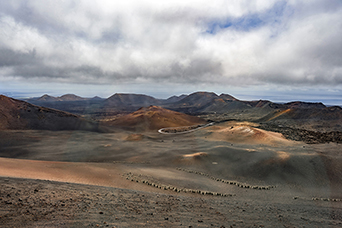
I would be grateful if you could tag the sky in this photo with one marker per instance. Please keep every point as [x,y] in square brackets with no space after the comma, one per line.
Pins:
[262,49]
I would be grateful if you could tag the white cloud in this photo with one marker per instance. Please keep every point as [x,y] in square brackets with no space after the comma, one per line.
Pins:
[281,42]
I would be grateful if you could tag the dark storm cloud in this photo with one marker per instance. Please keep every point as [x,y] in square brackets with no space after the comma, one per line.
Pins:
[11,58]
[241,43]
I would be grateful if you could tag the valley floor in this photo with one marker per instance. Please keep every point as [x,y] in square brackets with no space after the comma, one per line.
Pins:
[227,175]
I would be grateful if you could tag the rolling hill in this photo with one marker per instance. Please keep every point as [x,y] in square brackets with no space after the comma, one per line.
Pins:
[153,118]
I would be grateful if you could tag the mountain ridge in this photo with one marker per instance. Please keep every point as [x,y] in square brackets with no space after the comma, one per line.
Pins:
[65,97]
[210,106]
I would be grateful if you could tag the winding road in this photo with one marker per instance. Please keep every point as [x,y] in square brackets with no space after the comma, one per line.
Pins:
[162,130]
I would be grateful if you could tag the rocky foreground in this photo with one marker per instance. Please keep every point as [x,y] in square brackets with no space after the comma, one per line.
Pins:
[37,203]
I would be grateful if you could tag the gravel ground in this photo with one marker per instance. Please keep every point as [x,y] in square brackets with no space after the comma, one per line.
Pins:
[38,203]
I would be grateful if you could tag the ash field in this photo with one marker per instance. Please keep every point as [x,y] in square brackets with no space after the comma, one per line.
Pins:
[77,162]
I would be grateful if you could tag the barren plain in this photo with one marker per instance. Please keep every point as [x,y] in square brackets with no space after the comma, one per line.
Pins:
[301,182]
[228,174]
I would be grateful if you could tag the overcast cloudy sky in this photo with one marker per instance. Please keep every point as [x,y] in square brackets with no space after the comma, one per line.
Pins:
[251,49]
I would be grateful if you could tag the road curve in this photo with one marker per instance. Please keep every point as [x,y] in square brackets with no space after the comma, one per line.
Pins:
[161,131]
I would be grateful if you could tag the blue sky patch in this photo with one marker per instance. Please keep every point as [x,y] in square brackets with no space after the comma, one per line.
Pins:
[249,22]
[243,23]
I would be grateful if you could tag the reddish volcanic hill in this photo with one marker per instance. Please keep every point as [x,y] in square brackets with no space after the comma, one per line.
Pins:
[154,117]
[20,115]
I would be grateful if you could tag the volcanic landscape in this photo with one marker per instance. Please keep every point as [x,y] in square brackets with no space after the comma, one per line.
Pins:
[198,160]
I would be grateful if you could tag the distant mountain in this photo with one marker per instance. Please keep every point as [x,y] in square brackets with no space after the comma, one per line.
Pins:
[69,103]
[305,114]
[197,99]
[227,97]
[297,113]
[208,102]
[174,99]
[153,118]
[96,98]
[197,102]
[289,105]
[71,97]
[301,104]
[46,98]
[20,115]
[126,99]
[259,103]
